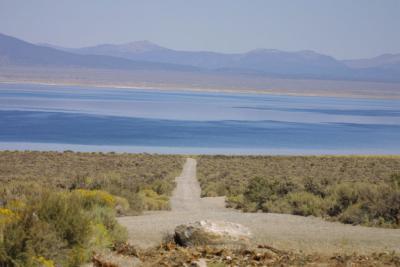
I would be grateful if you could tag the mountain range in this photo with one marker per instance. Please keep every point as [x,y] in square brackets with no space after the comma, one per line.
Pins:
[15,52]
[144,55]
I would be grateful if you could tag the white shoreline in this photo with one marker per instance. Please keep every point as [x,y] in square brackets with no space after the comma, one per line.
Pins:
[28,146]
[275,92]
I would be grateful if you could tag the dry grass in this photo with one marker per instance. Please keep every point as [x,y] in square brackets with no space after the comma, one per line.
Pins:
[230,174]
[126,175]
[57,207]
[352,189]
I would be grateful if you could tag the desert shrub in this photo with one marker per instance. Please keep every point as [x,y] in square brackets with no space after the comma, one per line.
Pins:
[67,214]
[22,174]
[153,201]
[101,237]
[365,203]
[395,180]
[286,186]
[383,209]
[355,214]
[280,205]
[42,262]
[342,196]
[240,202]
[215,189]
[90,198]
[262,192]
[58,227]
[236,202]
[259,190]
[162,187]
[209,190]
[391,207]
[305,204]
[250,206]
[76,212]
[351,189]
[315,186]
[121,205]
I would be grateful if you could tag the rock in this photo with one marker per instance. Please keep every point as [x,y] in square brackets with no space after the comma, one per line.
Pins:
[199,263]
[212,233]
[112,259]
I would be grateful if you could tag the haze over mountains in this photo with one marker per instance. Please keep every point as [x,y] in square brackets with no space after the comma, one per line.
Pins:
[144,55]
[385,61]
[15,52]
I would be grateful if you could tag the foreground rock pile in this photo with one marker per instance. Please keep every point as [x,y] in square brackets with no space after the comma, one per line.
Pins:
[219,244]
[170,254]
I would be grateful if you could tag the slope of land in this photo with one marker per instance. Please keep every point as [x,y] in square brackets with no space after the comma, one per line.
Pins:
[288,232]
[197,81]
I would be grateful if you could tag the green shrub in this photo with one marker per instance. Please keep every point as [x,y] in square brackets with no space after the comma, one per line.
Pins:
[385,208]
[214,190]
[259,190]
[101,237]
[250,206]
[305,204]
[355,214]
[352,189]
[153,201]
[67,214]
[163,187]
[236,202]
[22,174]
[315,186]
[121,205]
[395,180]
[341,197]
[278,206]
[59,227]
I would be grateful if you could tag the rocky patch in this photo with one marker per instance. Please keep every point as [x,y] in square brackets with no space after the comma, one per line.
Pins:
[212,233]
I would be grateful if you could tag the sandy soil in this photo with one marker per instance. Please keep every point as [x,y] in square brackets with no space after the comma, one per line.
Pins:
[288,232]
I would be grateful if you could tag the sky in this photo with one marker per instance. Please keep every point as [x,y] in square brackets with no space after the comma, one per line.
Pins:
[340,28]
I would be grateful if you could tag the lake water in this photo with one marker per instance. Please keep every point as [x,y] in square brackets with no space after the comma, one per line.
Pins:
[44,117]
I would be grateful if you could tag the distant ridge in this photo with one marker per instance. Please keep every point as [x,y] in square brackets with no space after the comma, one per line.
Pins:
[300,64]
[385,61]
[258,60]
[144,55]
[15,52]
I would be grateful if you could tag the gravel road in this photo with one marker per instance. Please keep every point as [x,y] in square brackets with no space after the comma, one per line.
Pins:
[289,232]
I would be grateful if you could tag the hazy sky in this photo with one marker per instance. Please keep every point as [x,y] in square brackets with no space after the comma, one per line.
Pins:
[342,28]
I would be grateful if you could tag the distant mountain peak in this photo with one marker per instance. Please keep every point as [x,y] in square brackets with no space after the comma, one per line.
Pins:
[276,51]
[378,61]
[264,51]
[305,64]
[141,46]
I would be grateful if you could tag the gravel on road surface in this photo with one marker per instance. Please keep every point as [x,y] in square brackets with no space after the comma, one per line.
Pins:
[283,231]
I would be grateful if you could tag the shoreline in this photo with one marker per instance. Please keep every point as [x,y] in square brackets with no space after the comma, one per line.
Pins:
[185,151]
[276,92]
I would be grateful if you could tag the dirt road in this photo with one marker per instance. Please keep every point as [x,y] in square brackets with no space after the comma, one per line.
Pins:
[283,231]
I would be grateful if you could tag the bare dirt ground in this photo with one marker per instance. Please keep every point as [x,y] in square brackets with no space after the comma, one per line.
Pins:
[287,232]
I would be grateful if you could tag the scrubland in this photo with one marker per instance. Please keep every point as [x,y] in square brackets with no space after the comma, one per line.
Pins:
[144,180]
[351,189]
[57,208]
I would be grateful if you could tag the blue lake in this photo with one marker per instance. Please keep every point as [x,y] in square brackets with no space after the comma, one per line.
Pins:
[43,117]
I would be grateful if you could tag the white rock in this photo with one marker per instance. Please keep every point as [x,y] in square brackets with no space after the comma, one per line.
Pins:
[208,232]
